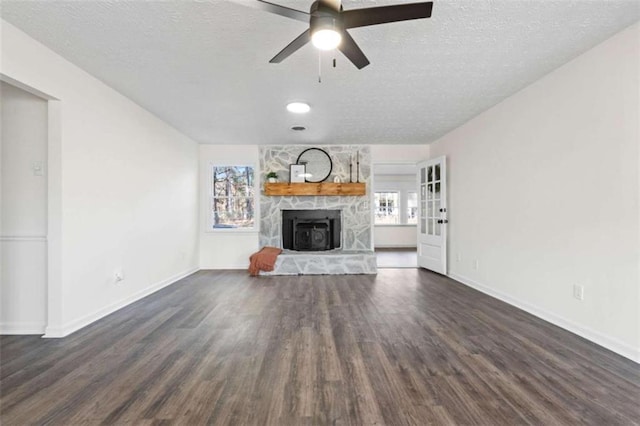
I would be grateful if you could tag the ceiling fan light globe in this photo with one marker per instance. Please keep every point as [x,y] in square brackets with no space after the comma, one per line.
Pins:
[326,39]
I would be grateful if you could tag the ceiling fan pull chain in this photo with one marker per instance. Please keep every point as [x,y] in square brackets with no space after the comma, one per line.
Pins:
[319,66]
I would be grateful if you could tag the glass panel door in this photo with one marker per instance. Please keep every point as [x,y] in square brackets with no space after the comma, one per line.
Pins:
[423,201]
[432,207]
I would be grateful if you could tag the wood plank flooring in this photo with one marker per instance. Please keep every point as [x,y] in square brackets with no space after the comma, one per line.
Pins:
[405,347]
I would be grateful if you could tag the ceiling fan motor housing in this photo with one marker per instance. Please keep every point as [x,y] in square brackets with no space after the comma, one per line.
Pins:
[324,17]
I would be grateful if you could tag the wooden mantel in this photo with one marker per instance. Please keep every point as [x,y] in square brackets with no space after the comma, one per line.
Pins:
[324,188]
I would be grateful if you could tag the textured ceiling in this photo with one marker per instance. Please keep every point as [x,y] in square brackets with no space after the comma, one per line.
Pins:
[202,66]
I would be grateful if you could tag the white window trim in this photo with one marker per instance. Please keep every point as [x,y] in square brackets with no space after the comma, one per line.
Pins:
[405,207]
[256,201]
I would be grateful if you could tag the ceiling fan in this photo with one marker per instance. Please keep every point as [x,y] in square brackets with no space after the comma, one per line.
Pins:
[328,25]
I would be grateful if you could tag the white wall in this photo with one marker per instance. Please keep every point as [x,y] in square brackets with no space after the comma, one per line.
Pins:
[399,153]
[544,193]
[395,236]
[225,249]
[23,228]
[127,193]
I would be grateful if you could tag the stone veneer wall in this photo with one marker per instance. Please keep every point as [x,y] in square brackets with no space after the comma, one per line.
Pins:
[356,211]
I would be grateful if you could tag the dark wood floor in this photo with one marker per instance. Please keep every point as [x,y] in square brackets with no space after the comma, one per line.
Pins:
[404,347]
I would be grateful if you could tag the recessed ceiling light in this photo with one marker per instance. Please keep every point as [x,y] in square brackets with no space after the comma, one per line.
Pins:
[298,107]
[298,128]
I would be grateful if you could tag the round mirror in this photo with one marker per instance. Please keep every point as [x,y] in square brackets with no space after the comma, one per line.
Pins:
[318,164]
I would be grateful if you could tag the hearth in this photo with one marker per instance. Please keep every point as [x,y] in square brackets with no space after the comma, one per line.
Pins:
[311,230]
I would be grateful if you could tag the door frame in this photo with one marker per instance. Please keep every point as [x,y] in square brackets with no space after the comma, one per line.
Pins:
[402,191]
[54,320]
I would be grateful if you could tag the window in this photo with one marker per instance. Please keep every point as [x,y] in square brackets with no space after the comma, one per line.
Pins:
[396,206]
[232,197]
[412,207]
[386,208]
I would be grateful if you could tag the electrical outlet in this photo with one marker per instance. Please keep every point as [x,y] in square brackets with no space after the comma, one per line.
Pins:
[37,168]
[476,265]
[458,258]
[578,292]
[118,276]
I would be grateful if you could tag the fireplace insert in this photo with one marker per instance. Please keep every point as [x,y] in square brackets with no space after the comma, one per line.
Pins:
[311,230]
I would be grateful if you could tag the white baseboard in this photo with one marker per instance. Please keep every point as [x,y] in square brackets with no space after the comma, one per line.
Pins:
[225,267]
[8,328]
[615,345]
[391,246]
[75,325]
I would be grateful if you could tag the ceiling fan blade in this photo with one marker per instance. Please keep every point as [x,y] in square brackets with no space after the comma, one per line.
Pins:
[384,14]
[283,11]
[351,50]
[296,44]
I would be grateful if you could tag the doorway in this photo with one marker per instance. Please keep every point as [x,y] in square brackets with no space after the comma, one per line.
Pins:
[395,214]
[23,211]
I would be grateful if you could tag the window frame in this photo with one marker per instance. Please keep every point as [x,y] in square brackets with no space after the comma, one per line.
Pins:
[406,208]
[210,199]
[402,204]
[397,207]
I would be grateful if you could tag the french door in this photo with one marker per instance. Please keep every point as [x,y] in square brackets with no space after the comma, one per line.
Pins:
[432,215]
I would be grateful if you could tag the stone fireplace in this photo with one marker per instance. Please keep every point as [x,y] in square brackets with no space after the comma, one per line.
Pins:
[352,251]
[311,230]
